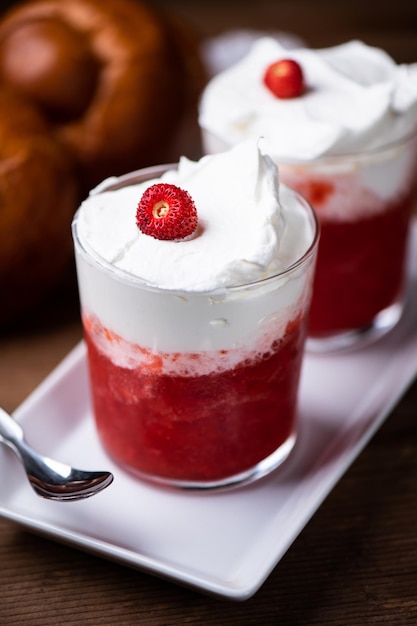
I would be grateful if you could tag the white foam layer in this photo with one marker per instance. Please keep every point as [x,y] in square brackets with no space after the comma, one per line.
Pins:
[216,354]
[357,188]
[240,320]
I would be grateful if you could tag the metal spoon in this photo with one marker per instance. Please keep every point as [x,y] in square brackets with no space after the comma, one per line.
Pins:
[50,479]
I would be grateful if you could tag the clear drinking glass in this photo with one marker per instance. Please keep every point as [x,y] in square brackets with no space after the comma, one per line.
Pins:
[364,203]
[195,389]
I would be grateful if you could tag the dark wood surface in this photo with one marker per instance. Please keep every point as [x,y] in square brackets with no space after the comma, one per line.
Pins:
[355,563]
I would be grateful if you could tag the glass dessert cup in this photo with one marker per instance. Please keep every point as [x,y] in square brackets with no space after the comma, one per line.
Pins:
[195,390]
[364,205]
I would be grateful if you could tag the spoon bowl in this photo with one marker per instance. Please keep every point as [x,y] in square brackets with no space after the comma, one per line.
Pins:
[49,478]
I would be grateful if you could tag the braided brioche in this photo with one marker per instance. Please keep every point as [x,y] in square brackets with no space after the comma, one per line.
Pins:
[88,89]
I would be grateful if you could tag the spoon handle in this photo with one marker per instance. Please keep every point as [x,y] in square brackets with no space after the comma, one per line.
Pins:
[10,430]
[11,433]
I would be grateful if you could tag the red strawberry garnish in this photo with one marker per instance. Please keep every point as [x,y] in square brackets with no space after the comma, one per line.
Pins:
[284,78]
[166,212]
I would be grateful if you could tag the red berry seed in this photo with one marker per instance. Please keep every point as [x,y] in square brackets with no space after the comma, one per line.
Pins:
[166,212]
[284,78]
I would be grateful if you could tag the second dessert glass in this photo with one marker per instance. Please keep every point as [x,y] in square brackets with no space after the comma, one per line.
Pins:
[341,125]
[364,203]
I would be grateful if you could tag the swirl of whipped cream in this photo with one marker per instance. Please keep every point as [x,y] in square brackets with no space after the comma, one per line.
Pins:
[356,98]
[249,226]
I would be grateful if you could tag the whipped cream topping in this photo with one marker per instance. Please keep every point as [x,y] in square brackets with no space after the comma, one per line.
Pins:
[249,227]
[356,98]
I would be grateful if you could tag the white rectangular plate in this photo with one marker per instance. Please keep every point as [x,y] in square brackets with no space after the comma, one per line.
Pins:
[224,543]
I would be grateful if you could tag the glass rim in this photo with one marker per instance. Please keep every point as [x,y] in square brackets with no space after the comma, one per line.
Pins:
[147,173]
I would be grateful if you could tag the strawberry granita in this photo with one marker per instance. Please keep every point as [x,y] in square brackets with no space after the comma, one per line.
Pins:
[192,427]
[195,356]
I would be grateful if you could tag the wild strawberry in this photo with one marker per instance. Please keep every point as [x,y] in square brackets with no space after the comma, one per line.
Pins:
[284,78]
[166,212]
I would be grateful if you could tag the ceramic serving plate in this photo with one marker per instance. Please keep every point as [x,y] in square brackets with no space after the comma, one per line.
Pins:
[223,543]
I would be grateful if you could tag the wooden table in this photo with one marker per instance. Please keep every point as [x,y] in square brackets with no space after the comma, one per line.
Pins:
[356,560]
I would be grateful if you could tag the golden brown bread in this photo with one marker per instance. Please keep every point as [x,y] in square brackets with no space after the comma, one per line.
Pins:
[107,73]
[38,192]
[100,88]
